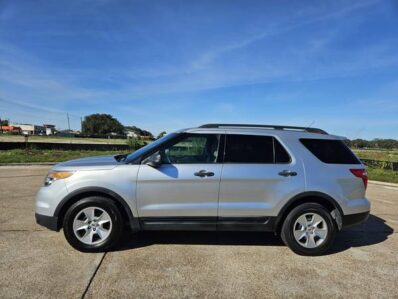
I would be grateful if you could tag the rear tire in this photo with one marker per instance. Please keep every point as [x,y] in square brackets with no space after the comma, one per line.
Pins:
[309,230]
[93,224]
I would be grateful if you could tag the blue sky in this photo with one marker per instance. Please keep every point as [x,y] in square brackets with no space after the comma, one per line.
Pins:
[165,65]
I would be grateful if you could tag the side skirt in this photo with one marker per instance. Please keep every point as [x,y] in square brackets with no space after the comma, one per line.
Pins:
[264,224]
[208,223]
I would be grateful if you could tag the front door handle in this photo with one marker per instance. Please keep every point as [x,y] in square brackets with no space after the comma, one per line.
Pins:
[202,173]
[287,173]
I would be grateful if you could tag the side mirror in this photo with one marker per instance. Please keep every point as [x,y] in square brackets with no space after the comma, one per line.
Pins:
[154,160]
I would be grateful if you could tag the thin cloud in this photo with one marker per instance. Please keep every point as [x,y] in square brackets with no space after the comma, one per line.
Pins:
[161,68]
[210,56]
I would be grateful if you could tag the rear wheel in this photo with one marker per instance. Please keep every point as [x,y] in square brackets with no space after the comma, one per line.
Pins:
[93,224]
[309,229]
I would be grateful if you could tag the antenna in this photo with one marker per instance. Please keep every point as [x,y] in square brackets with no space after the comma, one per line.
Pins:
[310,125]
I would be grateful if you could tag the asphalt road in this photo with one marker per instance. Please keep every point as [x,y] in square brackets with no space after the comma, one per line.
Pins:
[35,262]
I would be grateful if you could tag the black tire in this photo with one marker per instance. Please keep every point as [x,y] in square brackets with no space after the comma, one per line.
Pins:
[288,226]
[100,202]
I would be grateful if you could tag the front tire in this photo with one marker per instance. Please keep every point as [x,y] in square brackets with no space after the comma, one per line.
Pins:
[93,224]
[309,230]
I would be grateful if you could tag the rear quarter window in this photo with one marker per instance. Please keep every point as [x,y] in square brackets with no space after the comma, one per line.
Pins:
[330,151]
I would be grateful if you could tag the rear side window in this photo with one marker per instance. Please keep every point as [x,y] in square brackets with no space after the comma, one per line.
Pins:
[254,149]
[281,155]
[330,151]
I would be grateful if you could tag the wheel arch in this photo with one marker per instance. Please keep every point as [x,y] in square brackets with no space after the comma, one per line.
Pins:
[311,196]
[76,195]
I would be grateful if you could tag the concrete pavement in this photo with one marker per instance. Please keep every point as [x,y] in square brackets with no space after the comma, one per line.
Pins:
[35,262]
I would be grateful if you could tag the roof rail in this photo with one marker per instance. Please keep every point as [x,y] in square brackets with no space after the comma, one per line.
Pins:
[291,128]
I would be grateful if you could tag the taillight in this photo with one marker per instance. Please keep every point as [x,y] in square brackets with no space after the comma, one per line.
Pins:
[361,173]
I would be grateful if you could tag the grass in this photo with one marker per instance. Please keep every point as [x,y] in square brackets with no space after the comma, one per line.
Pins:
[381,155]
[30,156]
[379,174]
[382,175]
[35,138]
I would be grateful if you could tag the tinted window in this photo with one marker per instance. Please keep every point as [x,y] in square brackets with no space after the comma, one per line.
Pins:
[330,151]
[192,149]
[281,155]
[254,149]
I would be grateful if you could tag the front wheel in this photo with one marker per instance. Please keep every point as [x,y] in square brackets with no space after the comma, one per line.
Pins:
[93,224]
[309,229]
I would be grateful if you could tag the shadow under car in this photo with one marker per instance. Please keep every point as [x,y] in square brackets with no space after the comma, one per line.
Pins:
[373,231]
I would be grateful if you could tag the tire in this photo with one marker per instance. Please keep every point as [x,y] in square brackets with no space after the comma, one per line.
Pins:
[93,224]
[309,230]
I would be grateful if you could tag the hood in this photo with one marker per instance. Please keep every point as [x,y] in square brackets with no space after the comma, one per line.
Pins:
[90,163]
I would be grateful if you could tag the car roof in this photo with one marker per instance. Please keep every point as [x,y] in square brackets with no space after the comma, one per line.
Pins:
[277,130]
[274,127]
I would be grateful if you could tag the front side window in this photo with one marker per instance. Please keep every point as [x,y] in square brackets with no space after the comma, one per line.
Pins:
[254,149]
[193,149]
[137,155]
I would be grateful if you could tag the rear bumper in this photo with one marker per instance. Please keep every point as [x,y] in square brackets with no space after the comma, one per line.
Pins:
[49,222]
[352,219]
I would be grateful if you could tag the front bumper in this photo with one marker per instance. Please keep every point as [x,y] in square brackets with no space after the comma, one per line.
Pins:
[352,219]
[47,200]
[50,222]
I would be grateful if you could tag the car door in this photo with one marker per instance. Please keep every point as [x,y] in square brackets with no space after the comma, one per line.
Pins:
[186,184]
[258,175]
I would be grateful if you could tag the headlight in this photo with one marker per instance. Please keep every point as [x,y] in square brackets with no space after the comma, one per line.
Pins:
[56,175]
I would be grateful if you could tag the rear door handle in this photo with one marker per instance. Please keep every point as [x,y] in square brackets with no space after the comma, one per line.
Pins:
[287,173]
[202,173]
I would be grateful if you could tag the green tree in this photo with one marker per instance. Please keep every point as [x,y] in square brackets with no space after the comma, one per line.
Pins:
[101,124]
[375,143]
[135,143]
[139,131]
[4,122]
[161,134]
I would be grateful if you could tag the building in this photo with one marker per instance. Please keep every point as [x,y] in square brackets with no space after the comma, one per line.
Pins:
[131,134]
[28,129]
[11,129]
[50,129]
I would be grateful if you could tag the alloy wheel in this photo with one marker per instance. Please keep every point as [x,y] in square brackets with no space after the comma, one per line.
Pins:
[310,230]
[92,225]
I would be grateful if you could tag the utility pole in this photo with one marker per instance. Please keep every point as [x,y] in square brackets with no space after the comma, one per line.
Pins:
[67,116]
[81,124]
[1,126]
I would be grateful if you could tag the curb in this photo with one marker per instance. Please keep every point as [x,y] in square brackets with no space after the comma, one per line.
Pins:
[383,183]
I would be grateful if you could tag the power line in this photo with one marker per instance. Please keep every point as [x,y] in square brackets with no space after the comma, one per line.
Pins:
[67,115]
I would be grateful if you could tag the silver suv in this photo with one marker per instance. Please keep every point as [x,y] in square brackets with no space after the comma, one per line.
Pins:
[300,183]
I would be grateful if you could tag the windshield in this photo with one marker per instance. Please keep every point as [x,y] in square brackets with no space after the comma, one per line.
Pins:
[134,155]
